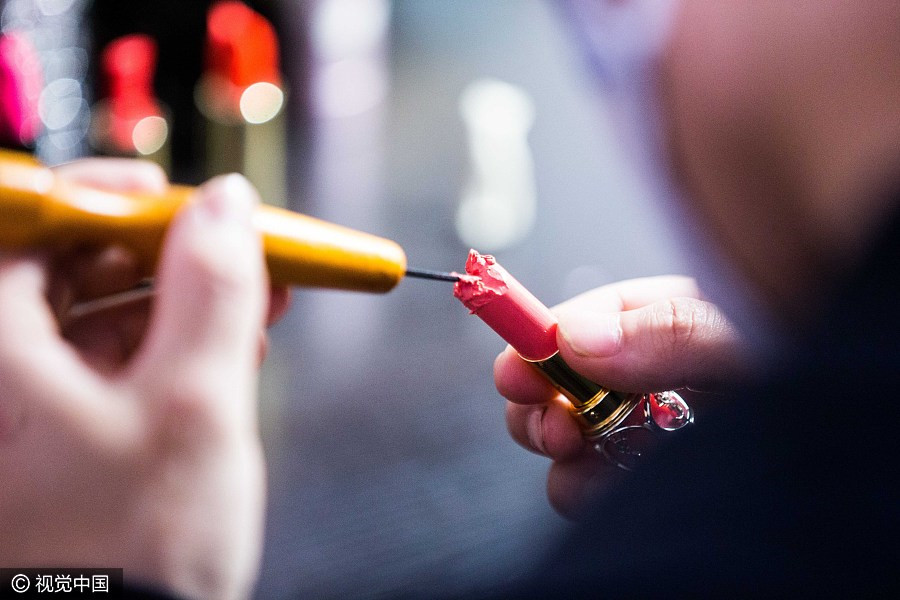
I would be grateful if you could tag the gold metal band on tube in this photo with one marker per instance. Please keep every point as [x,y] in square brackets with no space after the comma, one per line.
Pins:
[597,409]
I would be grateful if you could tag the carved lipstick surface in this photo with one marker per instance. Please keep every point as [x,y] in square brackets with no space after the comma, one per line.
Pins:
[616,423]
[491,293]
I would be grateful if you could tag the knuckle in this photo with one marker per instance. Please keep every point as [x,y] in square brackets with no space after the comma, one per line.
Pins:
[513,421]
[215,271]
[190,409]
[679,317]
[516,427]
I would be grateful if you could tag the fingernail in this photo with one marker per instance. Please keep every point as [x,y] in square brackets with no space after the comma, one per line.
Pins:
[226,199]
[592,334]
[535,430]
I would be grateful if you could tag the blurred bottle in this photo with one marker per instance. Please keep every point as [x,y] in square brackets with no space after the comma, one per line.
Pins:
[241,99]
[498,205]
[130,121]
[349,52]
[59,32]
[21,80]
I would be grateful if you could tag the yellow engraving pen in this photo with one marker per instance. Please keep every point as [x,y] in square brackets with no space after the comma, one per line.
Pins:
[38,209]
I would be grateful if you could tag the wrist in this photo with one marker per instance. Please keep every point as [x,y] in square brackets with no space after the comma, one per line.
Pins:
[199,532]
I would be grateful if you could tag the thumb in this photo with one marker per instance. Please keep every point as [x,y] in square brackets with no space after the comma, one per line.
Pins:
[203,334]
[674,343]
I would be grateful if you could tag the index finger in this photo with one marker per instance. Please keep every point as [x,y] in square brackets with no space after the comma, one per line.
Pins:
[519,382]
[632,294]
[86,273]
[115,174]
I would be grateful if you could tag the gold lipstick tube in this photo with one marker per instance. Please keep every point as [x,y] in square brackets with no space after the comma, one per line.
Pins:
[38,209]
[619,425]
[597,409]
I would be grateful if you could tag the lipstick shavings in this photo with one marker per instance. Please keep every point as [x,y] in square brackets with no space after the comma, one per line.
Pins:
[481,284]
[499,300]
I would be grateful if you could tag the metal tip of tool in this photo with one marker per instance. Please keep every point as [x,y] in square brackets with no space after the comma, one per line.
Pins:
[435,275]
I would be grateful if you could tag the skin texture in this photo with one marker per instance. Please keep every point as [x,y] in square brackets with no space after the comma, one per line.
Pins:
[134,443]
[637,335]
[784,129]
[132,439]
[784,124]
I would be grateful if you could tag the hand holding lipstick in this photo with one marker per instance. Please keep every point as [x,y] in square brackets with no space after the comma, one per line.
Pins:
[129,438]
[634,336]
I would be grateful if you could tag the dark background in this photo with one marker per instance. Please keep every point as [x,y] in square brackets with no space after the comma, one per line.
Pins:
[179,27]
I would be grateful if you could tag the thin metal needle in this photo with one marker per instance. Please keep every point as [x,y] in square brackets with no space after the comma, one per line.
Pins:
[141,291]
[435,275]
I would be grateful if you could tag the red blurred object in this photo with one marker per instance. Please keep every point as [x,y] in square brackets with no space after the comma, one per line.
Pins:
[21,80]
[129,65]
[242,47]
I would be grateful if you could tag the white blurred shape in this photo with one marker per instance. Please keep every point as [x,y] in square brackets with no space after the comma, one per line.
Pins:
[52,8]
[499,200]
[350,87]
[584,278]
[60,103]
[344,28]
[71,62]
[149,134]
[261,101]
[65,140]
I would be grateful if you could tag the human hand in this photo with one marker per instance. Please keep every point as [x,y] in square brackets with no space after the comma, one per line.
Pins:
[79,277]
[129,438]
[641,335]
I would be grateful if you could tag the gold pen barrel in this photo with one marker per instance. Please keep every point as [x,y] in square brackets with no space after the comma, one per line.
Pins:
[301,250]
[37,209]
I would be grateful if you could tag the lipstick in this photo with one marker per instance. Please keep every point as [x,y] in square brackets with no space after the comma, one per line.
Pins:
[241,99]
[37,209]
[130,121]
[617,423]
[21,81]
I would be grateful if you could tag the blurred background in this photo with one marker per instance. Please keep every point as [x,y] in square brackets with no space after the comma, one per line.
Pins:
[442,125]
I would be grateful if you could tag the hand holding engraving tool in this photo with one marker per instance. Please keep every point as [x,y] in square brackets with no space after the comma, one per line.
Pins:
[159,440]
[38,209]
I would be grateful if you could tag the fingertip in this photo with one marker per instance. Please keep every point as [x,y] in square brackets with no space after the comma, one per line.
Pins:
[211,285]
[228,196]
[214,233]
[263,347]
[502,367]
[279,303]
[590,334]
[520,425]
[116,174]
[562,438]
[519,382]
[594,345]
[150,176]
[573,486]
[545,429]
